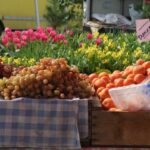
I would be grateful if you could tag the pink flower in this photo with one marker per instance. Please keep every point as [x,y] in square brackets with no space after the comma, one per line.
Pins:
[17,33]
[61,37]
[23,43]
[40,29]
[65,42]
[89,36]
[44,37]
[4,40]
[24,37]
[56,39]
[53,33]
[30,32]
[98,41]
[49,29]
[25,33]
[7,29]
[32,38]
[71,33]
[37,35]
[9,34]
[16,40]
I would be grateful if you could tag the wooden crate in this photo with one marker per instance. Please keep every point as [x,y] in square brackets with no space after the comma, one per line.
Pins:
[127,129]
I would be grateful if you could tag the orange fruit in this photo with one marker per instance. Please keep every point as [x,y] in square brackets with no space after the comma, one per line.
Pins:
[139,62]
[104,94]
[128,81]
[148,71]
[118,82]
[139,69]
[131,76]
[92,76]
[110,85]
[106,78]
[99,89]
[127,71]
[93,81]
[102,74]
[138,78]
[146,65]
[100,83]
[114,76]
[108,103]
[118,73]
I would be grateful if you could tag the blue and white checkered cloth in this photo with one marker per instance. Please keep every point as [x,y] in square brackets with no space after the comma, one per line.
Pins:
[43,123]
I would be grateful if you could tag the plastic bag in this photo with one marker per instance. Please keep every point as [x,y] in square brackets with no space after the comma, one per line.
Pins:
[133,97]
[112,18]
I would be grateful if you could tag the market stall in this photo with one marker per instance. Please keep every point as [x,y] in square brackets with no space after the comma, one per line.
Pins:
[57,90]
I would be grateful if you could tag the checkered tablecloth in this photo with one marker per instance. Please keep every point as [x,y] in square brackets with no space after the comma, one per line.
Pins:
[43,123]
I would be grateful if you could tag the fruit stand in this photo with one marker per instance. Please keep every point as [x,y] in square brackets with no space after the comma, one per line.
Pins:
[56,90]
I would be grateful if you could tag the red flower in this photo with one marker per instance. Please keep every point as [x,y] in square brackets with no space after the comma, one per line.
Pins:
[16,40]
[98,41]
[89,36]
[5,40]
[71,33]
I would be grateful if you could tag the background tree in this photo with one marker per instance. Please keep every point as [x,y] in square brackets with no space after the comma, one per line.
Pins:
[64,14]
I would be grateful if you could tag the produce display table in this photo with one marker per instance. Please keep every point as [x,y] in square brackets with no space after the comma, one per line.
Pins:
[43,123]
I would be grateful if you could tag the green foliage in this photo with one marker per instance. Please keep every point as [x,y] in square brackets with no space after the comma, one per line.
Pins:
[62,14]
[146,10]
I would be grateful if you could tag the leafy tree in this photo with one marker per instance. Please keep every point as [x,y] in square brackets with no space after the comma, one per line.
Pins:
[60,13]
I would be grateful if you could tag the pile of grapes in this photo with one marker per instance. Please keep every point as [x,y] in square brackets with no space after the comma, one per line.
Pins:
[5,70]
[49,78]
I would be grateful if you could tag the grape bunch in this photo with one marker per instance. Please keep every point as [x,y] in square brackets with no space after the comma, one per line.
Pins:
[5,70]
[49,78]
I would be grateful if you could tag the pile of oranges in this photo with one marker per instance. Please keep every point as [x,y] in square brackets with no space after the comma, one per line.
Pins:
[133,74]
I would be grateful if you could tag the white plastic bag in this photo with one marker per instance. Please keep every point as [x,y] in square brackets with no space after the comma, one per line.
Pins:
[132,98]
[112,18]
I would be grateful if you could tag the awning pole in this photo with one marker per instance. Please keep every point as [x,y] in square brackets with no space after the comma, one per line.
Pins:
[37,13]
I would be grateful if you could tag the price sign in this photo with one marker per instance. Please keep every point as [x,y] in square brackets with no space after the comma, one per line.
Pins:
[143,30]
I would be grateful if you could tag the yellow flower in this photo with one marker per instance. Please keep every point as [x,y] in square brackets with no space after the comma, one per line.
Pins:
[124,44]
[4,59]
[31,61]
[110,43]
[138,52]
[106,48]
[125,61]
[104,38]
[146,56]
[102,55]
[17,61]
[9,60]
[95,34]
[105,61]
